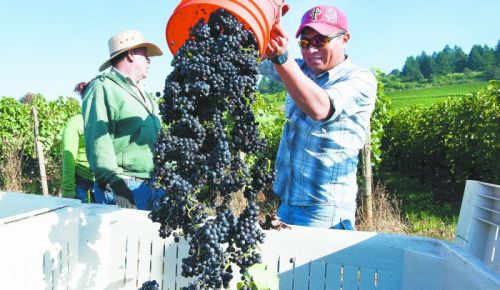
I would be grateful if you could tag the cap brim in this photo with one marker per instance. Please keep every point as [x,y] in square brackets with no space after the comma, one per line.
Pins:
[321,28]
[152,49]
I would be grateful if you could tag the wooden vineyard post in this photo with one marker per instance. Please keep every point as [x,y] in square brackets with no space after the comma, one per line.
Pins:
[39,153]
[367,182]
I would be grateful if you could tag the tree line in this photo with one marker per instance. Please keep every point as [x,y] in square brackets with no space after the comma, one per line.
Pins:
[451,60]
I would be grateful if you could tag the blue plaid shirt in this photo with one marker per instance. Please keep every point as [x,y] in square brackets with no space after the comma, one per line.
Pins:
[317,160]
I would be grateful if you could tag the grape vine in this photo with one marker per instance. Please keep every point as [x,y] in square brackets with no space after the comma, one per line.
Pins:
[201,157]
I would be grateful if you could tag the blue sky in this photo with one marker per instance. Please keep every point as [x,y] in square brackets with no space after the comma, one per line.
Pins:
[49,46]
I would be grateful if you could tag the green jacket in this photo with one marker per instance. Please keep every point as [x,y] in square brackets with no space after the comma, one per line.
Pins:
[74,159]
[120,128]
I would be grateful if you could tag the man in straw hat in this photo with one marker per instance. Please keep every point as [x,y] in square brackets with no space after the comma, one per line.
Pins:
[328,109]
[122,124]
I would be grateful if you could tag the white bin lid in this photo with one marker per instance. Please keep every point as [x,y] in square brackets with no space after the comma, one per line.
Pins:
[15,206]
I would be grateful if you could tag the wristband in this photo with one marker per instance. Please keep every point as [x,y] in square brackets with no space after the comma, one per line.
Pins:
[280,59]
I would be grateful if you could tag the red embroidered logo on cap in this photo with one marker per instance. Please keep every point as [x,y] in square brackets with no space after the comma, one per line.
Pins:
[314,13]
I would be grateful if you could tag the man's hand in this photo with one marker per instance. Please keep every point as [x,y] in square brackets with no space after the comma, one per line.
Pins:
[123,202]
[278,42]
[272,222]
[122,193]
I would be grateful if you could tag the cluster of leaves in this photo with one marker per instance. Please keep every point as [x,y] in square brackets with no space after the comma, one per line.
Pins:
[16,133]
[380,118]
[447,143]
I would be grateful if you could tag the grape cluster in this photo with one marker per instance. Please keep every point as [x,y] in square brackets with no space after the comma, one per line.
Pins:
[202,154]
[150,285]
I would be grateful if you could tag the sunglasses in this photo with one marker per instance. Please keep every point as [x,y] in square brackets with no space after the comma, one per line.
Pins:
[317,41]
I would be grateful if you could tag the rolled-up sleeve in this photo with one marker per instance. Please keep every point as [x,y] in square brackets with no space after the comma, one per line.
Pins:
[354,94]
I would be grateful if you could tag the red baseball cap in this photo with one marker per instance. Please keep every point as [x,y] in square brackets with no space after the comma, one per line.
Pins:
[324,19]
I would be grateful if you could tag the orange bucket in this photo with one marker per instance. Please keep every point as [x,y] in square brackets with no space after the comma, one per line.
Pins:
[257,15]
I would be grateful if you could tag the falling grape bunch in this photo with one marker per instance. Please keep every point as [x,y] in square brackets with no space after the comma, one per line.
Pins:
[209,149]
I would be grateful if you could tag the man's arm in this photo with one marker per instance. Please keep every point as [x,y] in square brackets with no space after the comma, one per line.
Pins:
[309,97]
[98,117]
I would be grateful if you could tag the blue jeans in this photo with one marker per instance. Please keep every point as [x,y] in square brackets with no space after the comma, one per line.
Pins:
[84,190]
[319,216]
[145,196]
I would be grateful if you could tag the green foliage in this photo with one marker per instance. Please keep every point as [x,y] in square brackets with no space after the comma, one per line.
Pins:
[411,70]
[15,124]
[271,119]
[426,65]
[444,61]
[16,127]
[447,143]
[380,118]
[474,61]
[460,59]
[497,53]
[492,73]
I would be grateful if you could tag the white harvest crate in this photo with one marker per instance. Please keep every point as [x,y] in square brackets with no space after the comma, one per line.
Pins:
[55,243]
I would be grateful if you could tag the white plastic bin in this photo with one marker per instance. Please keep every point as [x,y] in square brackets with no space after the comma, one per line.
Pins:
[62,244]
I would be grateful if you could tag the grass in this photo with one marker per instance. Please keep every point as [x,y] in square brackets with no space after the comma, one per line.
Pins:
[387,216]
[423,214]
[429,96]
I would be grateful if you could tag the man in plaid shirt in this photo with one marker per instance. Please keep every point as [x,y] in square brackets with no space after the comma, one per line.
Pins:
[328,109]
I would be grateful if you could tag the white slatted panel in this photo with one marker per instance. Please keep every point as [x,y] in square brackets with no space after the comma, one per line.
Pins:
[332,259]
[38,241]
[134,252]
[478,229]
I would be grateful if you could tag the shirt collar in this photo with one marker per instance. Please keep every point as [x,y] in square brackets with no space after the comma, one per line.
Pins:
[128,81]
[123,76]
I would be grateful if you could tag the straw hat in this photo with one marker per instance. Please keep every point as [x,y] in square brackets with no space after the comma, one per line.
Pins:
[127,40]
